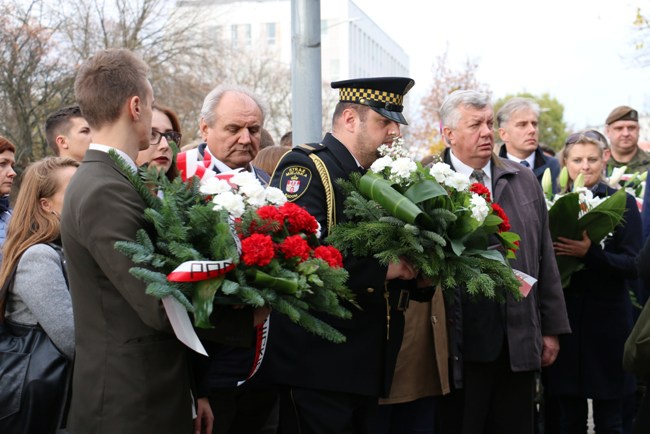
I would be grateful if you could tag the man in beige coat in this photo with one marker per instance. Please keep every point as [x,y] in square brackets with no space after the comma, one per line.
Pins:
[130,375]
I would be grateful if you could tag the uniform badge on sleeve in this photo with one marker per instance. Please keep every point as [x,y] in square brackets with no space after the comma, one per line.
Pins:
[295,181]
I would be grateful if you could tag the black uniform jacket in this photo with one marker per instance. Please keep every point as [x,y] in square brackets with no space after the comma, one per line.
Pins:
[364,364]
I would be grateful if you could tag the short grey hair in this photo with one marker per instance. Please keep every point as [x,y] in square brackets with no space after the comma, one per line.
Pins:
[514,105]
[449,115]
[212,100]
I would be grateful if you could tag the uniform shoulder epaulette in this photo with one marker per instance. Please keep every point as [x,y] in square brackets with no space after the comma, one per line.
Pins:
[308,148]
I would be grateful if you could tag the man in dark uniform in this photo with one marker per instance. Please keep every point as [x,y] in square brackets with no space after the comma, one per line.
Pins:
[327,387]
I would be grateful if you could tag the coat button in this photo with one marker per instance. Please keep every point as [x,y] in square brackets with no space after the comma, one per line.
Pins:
[370,290]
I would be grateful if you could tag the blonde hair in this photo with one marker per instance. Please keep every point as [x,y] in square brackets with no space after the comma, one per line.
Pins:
[30,224]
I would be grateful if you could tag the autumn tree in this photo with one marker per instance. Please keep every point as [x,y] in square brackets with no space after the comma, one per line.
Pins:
[425,131]
[552,128]
[34,79]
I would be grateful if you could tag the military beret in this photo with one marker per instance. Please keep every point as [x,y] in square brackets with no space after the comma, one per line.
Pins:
[622,113]
[384,95]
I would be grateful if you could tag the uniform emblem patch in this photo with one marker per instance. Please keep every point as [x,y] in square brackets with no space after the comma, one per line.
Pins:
[295,181]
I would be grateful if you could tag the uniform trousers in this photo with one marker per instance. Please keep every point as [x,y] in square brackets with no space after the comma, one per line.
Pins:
[414,417]
[313,411]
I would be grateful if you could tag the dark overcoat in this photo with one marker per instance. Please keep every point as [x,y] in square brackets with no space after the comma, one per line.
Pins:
[131,374]
[590,363]
[484,326]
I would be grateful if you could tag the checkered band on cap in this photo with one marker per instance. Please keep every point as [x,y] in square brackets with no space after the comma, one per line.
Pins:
[357,95]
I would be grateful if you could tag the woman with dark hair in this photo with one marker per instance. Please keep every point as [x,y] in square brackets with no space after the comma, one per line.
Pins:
[589,365]
[39,294]
[7,175]
[165,129]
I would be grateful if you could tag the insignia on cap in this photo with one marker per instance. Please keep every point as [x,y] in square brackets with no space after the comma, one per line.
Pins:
[294,182]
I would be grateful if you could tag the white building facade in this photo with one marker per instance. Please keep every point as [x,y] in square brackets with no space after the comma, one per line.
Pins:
[352,45]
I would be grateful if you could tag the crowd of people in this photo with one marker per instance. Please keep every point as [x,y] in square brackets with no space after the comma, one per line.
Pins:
[425,365]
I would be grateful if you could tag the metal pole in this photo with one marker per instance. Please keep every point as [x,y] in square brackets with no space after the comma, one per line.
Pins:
[306,99]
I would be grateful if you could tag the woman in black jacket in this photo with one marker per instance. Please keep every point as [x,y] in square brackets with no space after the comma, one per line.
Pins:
[589,365]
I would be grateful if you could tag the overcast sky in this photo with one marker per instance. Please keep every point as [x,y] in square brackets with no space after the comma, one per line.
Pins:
[579,51]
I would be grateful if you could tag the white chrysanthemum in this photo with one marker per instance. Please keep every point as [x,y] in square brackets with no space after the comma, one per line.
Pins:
[318,232]
[275,196]
[380,164]
[231,202]
[214,185]
[253,191]
[458,181]
[243,178]
[479,208]
[403,167]
[440,171]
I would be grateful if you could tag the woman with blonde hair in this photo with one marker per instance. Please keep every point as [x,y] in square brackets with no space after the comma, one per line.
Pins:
[589,364]
[36,290]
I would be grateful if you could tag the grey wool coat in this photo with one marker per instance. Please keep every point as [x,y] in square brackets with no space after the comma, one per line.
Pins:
[131,374]
[483,327]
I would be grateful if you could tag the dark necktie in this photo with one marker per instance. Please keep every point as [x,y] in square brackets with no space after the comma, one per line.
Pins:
[525,163]
[479,176]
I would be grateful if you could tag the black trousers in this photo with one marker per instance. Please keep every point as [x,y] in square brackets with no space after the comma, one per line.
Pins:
[245,410]
[493,400]
[312,411]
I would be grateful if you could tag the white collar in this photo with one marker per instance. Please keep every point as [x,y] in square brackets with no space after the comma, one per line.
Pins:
[463,168]
[106,148]
[530,159]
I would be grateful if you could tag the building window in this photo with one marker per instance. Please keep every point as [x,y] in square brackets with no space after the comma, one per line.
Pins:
[248,35]
[270,34]
[234,35]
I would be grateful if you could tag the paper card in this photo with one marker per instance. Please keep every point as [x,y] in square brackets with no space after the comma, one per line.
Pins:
[527,282]
[182,324]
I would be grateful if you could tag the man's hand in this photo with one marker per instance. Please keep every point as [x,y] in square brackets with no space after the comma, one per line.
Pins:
[204,417]
[400,270]
[550,350]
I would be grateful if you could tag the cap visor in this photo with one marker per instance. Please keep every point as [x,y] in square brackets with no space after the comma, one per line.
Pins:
[393,116]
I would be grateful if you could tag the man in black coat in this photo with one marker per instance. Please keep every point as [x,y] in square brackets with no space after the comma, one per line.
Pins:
[327,387]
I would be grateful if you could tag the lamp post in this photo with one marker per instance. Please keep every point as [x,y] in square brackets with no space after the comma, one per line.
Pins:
[306,99]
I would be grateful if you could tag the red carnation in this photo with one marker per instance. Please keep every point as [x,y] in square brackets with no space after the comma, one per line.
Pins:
[295,247]
[271,217]
[298,219]
[505,225]
[329,254]
[481,190]
[257,250]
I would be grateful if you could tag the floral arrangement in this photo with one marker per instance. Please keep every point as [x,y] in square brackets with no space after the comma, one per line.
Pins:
[445,226]
[571,214]
[634,183]
[229,240]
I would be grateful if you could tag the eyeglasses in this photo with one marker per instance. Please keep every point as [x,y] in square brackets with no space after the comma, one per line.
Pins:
[170,136]
[589,135]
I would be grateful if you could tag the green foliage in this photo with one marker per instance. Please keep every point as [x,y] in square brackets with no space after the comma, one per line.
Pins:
[185,227]
[552,127]
[371,231]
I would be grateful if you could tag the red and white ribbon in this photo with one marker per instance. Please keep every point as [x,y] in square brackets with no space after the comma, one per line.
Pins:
[195,271]
[191,164]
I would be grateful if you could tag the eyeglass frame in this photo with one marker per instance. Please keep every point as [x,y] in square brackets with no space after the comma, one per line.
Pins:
[170,136]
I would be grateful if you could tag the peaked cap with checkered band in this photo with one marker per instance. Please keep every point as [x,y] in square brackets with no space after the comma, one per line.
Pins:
[385,95]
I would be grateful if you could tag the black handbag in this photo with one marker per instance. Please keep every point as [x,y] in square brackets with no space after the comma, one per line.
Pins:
[34,378]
